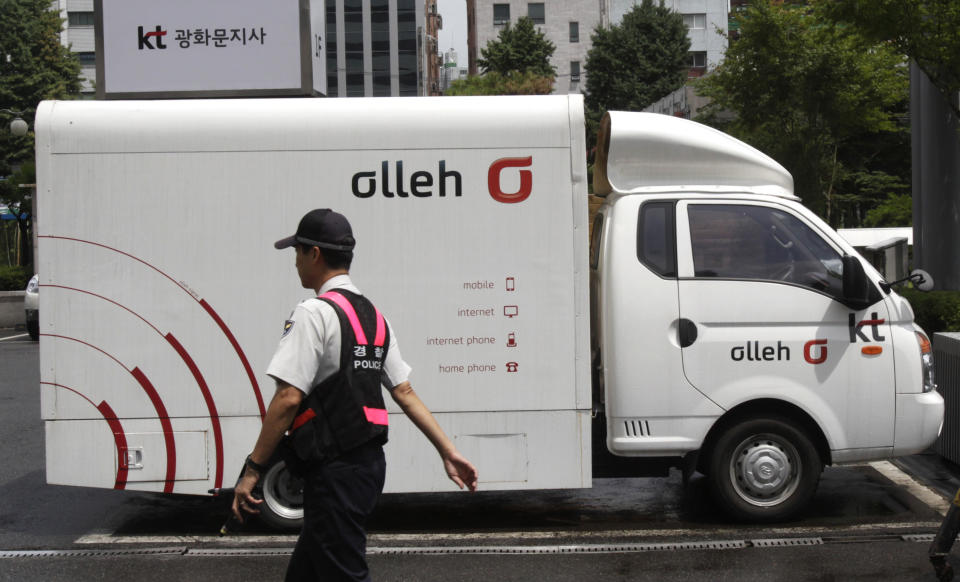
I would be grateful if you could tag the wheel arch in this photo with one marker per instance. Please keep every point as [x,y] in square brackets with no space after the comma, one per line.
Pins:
[765,408]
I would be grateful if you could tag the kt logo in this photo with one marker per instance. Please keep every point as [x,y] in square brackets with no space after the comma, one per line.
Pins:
[856,328]
[144,39]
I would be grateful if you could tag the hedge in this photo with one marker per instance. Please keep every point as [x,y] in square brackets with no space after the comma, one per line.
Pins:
[14,278]
[935,310]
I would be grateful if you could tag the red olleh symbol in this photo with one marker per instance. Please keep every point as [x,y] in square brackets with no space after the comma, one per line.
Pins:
[808,349]
[526,180]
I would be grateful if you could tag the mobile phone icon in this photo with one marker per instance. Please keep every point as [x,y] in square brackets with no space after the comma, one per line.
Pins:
[511,283]
[511,340]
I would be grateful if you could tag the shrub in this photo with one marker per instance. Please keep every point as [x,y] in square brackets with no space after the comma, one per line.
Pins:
[14,278]
[935,310]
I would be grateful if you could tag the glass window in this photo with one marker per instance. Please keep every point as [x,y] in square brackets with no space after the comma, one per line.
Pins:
[379,5]
[353,41]
[656,238]
[407,5]
[574,32]
[407,62]
[381,84]
[80,18]
[501,14]
[759,242]
[355,85]
[408,83]
[87,59]
[698,59]
[536,13]
[381,61]
[575,71]
[352,6]
[695,21]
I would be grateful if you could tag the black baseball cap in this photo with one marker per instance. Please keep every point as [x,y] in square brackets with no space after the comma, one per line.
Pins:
[322,228]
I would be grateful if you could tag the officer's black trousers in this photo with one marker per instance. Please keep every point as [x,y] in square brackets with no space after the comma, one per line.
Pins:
[337,498]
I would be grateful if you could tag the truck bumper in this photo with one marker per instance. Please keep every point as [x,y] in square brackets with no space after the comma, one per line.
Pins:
[919,421]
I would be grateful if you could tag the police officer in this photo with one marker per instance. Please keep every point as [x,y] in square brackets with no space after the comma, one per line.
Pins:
[335,352]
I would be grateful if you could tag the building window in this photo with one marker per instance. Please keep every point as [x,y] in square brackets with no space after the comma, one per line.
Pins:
[695,21]
[698,60]
[87,59]
[574,71]
[80,18]
[535,12]
[501,14]
[574,32]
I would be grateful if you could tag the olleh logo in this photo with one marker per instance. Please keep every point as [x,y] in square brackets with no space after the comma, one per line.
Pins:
[144,39]
[526,180]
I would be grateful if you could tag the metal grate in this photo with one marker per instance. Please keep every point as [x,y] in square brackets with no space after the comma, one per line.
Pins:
[233,552]
[946,362]
[635,428]
[563,549]
[91,553]
[922,538]
[786,542]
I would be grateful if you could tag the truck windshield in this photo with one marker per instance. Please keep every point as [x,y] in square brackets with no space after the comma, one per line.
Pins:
[735,241]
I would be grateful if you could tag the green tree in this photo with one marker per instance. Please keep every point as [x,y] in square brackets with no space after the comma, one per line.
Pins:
[33,66]
[512,83]
[927,31]
[521,48]
[820,98]
[638,61]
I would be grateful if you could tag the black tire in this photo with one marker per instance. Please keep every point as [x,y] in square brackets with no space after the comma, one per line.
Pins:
[282,506]
[33,328]
[764,469]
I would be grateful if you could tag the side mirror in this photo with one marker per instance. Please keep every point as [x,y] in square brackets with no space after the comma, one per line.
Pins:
[920,279]
[856,285]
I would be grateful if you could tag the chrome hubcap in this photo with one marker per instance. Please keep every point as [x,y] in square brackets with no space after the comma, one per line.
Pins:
[283,492]
[765,470]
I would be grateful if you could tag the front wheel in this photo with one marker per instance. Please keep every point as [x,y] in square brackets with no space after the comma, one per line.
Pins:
[282,506]
[764,469]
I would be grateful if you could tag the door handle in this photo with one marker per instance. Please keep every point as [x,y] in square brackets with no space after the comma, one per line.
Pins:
[687,331]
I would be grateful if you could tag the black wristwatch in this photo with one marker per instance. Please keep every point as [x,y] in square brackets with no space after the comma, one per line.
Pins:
[256,466]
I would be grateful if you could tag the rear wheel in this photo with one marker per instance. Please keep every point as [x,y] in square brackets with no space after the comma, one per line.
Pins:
[282,506]
[764,469]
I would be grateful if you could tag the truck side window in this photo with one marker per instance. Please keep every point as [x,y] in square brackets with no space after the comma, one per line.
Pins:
[759,242]
[656,238]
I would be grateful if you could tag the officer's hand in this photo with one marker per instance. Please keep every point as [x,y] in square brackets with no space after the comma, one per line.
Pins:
[460,470]
[243,498]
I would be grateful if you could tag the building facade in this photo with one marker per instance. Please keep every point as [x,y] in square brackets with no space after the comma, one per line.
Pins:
[707,26]
[433,60]
[568,24]
[78,34]
[451,70]
[374,47]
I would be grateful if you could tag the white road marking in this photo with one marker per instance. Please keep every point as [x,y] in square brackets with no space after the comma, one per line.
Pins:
[928,496]
[3,339]
[380,539]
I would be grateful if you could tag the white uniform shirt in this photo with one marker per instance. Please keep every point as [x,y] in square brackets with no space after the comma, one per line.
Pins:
[309,350]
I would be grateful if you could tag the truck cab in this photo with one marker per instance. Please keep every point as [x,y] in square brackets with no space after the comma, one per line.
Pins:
[733,327]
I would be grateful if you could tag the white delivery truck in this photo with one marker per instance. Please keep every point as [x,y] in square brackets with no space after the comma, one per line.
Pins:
[730,326]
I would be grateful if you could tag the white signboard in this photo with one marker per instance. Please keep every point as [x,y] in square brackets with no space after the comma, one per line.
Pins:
[183,48]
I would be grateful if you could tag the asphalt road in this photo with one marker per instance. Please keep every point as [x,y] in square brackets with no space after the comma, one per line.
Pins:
[860,525]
